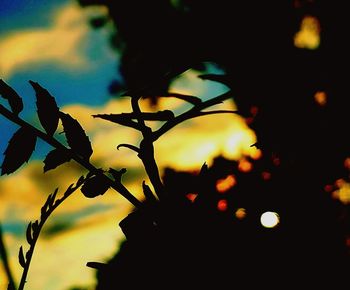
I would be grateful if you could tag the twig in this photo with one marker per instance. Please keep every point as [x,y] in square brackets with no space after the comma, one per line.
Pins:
[34,229]
[147,150]
[193,113]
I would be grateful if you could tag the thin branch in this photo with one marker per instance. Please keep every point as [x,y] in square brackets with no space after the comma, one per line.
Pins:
[34,229]
[4,257]
[192,113]
[126,118]
[216,112]
[119,187]
[129,146]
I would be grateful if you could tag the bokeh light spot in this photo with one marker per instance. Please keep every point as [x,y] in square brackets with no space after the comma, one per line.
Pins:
[269,219]
[308,37]
[222,205]
[191,196]
[224,184]
[347,163]
[266,175]
[320,98]
[245,166]
[241,213]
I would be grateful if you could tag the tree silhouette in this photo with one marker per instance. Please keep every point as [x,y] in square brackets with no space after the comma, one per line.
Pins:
[293,97]
[196,229]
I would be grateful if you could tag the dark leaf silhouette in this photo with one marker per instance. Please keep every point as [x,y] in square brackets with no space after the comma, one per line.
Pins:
[29,235]
[204,169]
[76,137]
[188,98]
[94,186]
[21,259]
[216,78]
[18,151]
[13,98]
[47,108]
[55,158]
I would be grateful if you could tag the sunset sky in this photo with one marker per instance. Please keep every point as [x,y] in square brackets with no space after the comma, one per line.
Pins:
[51,42]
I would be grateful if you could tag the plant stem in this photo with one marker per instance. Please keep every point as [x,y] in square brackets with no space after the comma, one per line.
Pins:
[4,257]
[45,213]
[147,150]
[118,186]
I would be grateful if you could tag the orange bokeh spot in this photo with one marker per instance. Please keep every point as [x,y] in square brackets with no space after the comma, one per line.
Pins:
[320,98]
[191,196]
[240,213]
[222,205]
[226,183]
[256,154]
[347,163]
[245,166]
[339,182]
[266,175]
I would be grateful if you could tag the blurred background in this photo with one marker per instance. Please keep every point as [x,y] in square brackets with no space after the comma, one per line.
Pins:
[283,62]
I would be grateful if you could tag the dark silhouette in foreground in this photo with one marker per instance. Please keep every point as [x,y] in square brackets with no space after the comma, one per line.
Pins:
[294,98]
[207,236]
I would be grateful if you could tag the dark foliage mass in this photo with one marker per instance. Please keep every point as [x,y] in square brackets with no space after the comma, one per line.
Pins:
[185,244]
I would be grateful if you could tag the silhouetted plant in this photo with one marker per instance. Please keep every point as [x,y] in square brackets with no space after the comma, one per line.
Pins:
[97,181]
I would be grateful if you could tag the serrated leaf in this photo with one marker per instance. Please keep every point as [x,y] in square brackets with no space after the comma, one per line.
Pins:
[204,169]
[52,198]
[47,108]
[76,137]
[15,101]
[18,151]
[94,186]
[29,235]
[21,259]
[55,158]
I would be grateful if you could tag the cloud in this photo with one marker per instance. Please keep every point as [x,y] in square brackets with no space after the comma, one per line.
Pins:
[62,43]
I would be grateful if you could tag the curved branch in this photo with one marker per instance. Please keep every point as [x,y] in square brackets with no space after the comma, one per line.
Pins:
[34,229]
[131,147]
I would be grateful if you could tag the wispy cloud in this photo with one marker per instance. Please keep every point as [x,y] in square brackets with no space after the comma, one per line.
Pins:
[61,44]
